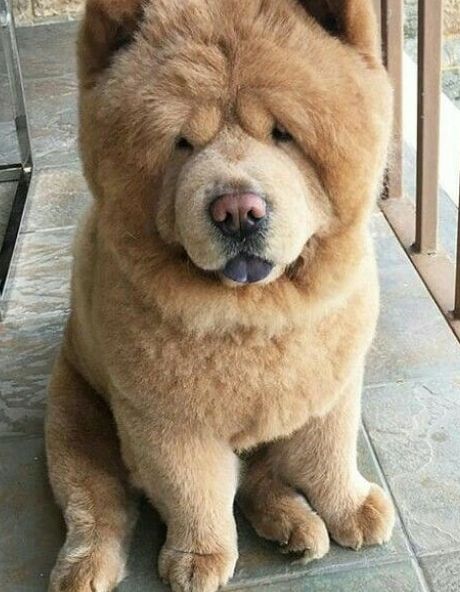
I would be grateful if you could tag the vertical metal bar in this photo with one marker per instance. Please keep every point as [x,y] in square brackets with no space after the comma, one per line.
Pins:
[393,43]
[457,283]
[11,234]
[378,13]
[428,117]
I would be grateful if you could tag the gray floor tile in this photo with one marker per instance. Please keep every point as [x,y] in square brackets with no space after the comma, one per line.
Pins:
[443,572]
[58,198]
[52,109]
[261,559]
[33,533]
[397,577]
[413,340]
[44,9]
[48,61]
[40,280]
[414,429]
[6,107]
[9,149]
[47,50]
[32,528]
[27,352]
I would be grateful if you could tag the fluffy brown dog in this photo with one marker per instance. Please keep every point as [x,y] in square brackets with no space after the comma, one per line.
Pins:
[224,288]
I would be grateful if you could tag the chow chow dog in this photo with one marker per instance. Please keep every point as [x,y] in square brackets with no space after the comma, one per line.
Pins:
[224,288]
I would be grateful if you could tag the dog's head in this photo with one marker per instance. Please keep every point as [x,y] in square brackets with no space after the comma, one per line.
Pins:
[236,135]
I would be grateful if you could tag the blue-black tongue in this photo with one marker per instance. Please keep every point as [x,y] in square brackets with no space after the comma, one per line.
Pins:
[247,269]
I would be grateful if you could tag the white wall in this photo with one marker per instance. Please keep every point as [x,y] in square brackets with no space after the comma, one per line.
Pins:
[449,172]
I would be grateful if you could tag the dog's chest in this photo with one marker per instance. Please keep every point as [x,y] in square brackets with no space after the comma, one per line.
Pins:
[246,388]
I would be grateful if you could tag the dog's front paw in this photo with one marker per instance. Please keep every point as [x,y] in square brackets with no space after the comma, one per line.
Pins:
[288,520]
[371,524]
[81,568]
[192,572]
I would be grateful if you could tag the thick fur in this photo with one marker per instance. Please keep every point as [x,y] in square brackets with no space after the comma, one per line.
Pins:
[167,375]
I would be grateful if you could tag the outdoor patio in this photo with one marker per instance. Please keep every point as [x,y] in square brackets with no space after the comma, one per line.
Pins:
[410,440]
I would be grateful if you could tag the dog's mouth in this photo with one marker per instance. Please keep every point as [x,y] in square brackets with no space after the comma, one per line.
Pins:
[247,269]
[243,269]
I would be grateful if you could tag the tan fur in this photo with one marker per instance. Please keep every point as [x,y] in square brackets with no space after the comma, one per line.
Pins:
[166,373]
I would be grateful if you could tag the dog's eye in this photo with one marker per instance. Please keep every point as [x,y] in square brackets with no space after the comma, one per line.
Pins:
[183,144]
[280,134]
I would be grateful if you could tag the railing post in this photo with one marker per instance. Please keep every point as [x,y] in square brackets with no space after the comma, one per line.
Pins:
[457,283]
[393,44]
[428,118]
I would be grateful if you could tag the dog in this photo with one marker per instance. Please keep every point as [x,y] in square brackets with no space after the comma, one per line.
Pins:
[224,290]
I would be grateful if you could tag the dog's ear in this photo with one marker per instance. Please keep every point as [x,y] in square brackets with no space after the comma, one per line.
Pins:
[108,26]
[354,21]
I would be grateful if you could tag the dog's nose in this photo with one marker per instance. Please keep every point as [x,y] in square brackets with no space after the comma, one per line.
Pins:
[238,214]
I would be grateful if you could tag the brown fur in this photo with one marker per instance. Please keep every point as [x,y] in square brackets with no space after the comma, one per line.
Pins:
[193,371]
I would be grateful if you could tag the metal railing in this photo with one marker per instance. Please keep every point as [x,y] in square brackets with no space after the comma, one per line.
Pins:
[417,224]
[17,172]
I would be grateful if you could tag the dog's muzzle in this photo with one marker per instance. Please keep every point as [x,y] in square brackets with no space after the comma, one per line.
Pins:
[242,219]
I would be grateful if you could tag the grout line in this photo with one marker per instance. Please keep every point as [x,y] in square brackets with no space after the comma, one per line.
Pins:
[436,376]
[331,570]
[48,229]
[281,578]
[413,555]
[47,21]
[73,163]
[428,554]
[6,437]
[71,75]
[13,321]
[420,574]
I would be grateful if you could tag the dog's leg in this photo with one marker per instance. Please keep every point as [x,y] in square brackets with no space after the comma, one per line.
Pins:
[89,483]
[191,479]
[320,460]
[279,513]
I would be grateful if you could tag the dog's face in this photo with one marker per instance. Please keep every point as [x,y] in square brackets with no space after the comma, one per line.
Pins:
[239,196]
[239,133]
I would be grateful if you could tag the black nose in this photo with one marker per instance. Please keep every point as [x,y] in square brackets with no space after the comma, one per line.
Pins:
[238,215]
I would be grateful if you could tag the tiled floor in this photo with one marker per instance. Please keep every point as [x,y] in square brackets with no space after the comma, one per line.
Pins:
[410,440]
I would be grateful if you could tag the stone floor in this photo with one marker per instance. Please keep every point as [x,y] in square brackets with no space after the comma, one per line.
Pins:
[410,440]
